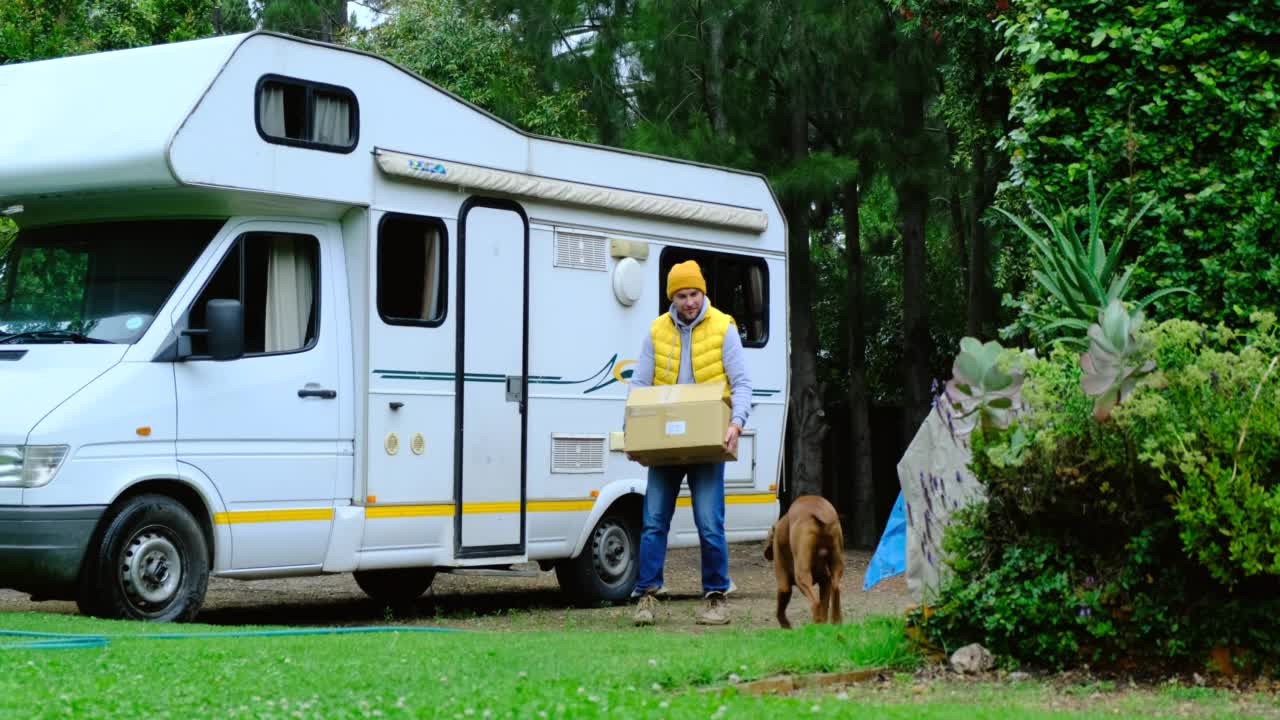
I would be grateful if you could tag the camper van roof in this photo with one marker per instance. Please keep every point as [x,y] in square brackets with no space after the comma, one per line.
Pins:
[109,121]
[105,119]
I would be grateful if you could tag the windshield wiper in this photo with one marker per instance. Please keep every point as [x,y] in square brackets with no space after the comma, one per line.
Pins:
[64,336]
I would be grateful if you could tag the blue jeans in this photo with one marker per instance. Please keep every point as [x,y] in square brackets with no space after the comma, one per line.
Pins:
[706,484]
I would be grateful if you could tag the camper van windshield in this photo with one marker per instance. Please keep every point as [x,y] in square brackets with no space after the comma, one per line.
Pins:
[95,282]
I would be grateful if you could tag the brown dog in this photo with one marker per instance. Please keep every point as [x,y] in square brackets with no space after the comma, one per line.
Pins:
[807,549]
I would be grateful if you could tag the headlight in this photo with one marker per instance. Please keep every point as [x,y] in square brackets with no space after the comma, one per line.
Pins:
[30,466]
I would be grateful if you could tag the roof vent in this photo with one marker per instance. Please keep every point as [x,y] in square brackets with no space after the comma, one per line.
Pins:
[582,252]
[577,453]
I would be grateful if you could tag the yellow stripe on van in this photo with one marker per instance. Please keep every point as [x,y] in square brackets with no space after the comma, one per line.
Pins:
[478,508]
[260,516]
[751,499]
[402,511]
[735,499]
[560,505]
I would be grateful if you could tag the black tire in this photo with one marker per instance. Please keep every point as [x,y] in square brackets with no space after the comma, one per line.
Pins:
[606,569]
[151,563]
[400,585]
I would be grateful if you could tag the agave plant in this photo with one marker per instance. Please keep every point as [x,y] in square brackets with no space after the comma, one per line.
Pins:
[1081,272]
[980,394]
[1116,360]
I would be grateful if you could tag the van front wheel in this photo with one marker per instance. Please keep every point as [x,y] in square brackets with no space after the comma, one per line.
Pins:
[399,585]
[606,569]
[151,564]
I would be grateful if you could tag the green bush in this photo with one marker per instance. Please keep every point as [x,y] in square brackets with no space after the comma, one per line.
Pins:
[1060,471]
[1180,102]
[1151,537]
[1213,433]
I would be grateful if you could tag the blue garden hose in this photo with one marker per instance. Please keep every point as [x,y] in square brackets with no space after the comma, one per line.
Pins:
[66,641]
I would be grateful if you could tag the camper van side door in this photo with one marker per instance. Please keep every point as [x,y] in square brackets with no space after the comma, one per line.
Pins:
[264,427]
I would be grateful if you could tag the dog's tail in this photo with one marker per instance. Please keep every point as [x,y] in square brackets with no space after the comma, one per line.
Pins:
[832,530]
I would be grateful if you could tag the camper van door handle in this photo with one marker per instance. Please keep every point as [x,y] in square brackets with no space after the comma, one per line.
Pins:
[316,392]
[515,390]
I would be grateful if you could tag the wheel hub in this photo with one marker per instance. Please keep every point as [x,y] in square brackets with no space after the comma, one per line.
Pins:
[151,569]
[612,553]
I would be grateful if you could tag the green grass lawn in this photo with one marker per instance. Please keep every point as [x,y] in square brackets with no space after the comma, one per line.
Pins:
[561,674]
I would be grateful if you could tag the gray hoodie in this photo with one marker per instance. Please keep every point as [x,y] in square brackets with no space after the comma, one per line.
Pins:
[735,365]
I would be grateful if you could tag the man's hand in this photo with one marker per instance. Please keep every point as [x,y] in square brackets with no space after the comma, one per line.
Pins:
[633,459]
[731,438]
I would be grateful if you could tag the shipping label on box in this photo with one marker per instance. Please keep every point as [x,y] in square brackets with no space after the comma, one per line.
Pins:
[678,424]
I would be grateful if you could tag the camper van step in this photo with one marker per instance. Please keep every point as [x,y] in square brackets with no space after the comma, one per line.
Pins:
[495,572]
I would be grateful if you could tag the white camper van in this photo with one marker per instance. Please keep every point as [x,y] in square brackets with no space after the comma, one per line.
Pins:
[279,308]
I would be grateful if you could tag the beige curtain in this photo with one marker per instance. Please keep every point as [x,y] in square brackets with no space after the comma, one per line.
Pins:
[271,110]
[756,301]
[289,293]
[332,124]
[431,276]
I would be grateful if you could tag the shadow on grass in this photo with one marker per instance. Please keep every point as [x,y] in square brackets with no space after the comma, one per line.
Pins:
[452,608]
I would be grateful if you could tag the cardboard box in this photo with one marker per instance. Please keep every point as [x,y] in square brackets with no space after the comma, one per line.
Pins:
[678,424]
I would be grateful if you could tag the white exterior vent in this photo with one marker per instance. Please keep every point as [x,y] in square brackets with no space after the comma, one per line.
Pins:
[577,453]
[583,252]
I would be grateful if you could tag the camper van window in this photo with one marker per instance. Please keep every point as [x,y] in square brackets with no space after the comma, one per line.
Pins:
[412,261]
[307,114]
[276,276]
[94,282]
[736,284]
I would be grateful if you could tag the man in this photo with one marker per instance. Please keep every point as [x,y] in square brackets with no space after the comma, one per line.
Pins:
[692,342]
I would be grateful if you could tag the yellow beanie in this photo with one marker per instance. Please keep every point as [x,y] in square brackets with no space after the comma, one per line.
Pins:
[685,275]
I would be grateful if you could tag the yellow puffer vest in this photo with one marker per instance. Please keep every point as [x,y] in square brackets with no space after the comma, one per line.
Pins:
[708,339]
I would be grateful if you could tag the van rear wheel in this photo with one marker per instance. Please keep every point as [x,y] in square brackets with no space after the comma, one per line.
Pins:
[399,585]
[151,564]
[606,569]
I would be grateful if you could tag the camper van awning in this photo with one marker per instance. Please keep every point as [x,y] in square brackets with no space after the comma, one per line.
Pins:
[455,174]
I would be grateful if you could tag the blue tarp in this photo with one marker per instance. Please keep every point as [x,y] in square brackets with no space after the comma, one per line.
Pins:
[891,555]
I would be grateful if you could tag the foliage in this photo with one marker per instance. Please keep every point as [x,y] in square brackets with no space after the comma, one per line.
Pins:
[1213,433]
[983,392]
[8,231]
[1020,604]
[1080,273]
[1147,537]
[1042,603]
[120,24]
[39,29]
[324,20]
[1179,102]
[1116,360]
[1059,470]
[882,296]
[36,29]
[474,58]
[563,673]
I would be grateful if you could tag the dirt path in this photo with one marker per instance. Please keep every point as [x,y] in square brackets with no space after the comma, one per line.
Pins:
[499,603]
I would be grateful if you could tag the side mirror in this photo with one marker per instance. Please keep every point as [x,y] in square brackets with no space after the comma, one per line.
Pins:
[225,319]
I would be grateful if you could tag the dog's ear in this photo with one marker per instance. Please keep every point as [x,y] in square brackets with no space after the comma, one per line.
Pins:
[768,546]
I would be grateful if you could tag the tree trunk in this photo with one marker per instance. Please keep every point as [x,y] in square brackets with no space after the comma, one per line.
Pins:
[981,317]
[806,426]
[863,533]
[990,165]
[913,204]
[715,72]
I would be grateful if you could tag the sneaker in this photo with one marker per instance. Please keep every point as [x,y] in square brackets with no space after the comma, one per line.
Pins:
[645,609]
[715,611]
[662,592]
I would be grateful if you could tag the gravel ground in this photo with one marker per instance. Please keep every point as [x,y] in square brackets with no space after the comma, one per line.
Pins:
[517,603]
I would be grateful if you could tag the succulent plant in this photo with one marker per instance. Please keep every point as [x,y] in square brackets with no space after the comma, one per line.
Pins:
[980,393]
[1079,270]
[1116,361]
